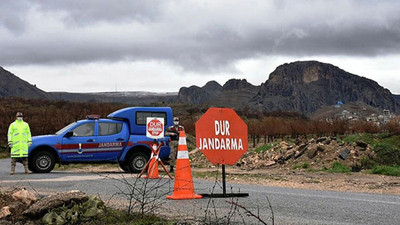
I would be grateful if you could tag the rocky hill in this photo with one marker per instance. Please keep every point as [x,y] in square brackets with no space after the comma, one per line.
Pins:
[11,86]
[234,93]
[303,87]
[307,86]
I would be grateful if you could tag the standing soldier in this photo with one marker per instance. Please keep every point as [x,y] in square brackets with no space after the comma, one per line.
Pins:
[173,132]
[19,140]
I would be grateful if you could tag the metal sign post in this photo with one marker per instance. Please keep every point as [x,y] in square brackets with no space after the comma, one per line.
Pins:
[221,135]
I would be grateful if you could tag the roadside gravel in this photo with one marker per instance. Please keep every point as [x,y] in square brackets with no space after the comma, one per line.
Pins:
[284,177]
[281,177]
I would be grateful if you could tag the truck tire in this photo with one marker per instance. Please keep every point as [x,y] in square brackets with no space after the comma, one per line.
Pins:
[137,161]
[123,166]
[42,162]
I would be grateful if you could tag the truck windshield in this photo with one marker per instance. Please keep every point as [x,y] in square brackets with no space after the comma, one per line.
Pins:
[65,128]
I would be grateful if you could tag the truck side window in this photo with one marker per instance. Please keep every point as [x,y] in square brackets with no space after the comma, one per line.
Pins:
[142,116]
[109,128]
[83,130]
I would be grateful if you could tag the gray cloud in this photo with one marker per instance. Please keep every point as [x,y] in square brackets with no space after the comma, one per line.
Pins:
[196,35]
[89,12]
[14,23]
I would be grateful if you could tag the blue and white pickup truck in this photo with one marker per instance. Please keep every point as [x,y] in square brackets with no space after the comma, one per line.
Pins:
[121,138]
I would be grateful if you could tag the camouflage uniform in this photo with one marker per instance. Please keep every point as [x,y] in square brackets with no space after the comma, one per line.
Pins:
[173,132]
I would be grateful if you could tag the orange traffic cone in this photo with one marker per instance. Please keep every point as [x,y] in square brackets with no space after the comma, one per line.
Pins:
[183,186]
[152,170]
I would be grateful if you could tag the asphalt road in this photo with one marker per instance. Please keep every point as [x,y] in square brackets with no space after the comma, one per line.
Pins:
[290,206]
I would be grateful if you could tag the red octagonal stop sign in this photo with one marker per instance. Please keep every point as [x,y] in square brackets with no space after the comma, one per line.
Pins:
[155,127]
[221,135]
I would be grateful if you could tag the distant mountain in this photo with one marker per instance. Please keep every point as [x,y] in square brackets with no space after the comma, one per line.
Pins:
[234,93]
[13,86]
[303,87]
[133,98]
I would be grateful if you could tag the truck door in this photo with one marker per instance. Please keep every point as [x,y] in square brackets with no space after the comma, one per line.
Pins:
[79,147]
[111,139]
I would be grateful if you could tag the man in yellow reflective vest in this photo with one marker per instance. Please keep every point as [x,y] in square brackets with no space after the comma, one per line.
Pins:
[19,140]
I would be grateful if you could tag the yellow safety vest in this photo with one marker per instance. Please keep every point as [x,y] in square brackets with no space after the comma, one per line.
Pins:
[19,135]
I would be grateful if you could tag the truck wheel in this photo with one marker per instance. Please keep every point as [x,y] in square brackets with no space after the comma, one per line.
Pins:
[137,161]
[123,166]
[42,162]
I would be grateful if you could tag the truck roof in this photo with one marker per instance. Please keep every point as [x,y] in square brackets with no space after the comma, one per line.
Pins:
[136,116]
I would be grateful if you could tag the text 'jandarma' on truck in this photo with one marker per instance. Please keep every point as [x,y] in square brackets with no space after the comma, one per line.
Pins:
[121,138]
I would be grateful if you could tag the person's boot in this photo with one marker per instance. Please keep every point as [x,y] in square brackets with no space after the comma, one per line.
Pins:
[13,163]
[25,162]
[12,172]
[171,170]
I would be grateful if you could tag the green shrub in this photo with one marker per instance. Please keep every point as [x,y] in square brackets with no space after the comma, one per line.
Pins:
[351,138]
[337,167]
[387,153]
[393,140]
[94,211]
[367,163]
[386,146]
[384,135]
[75,213]
[386,170]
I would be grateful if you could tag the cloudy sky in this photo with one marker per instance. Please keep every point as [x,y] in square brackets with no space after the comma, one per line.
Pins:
[160,45]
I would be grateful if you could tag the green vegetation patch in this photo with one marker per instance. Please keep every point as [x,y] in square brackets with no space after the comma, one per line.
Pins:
[264,148]
[367,138]
[337,167]
[387,153]
[385,145]
[302,166]
[386,170]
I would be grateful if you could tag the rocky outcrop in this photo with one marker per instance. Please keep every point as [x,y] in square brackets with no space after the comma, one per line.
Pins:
[234,93]
[237,84]
[213,88]
[307,86]
[199,95]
